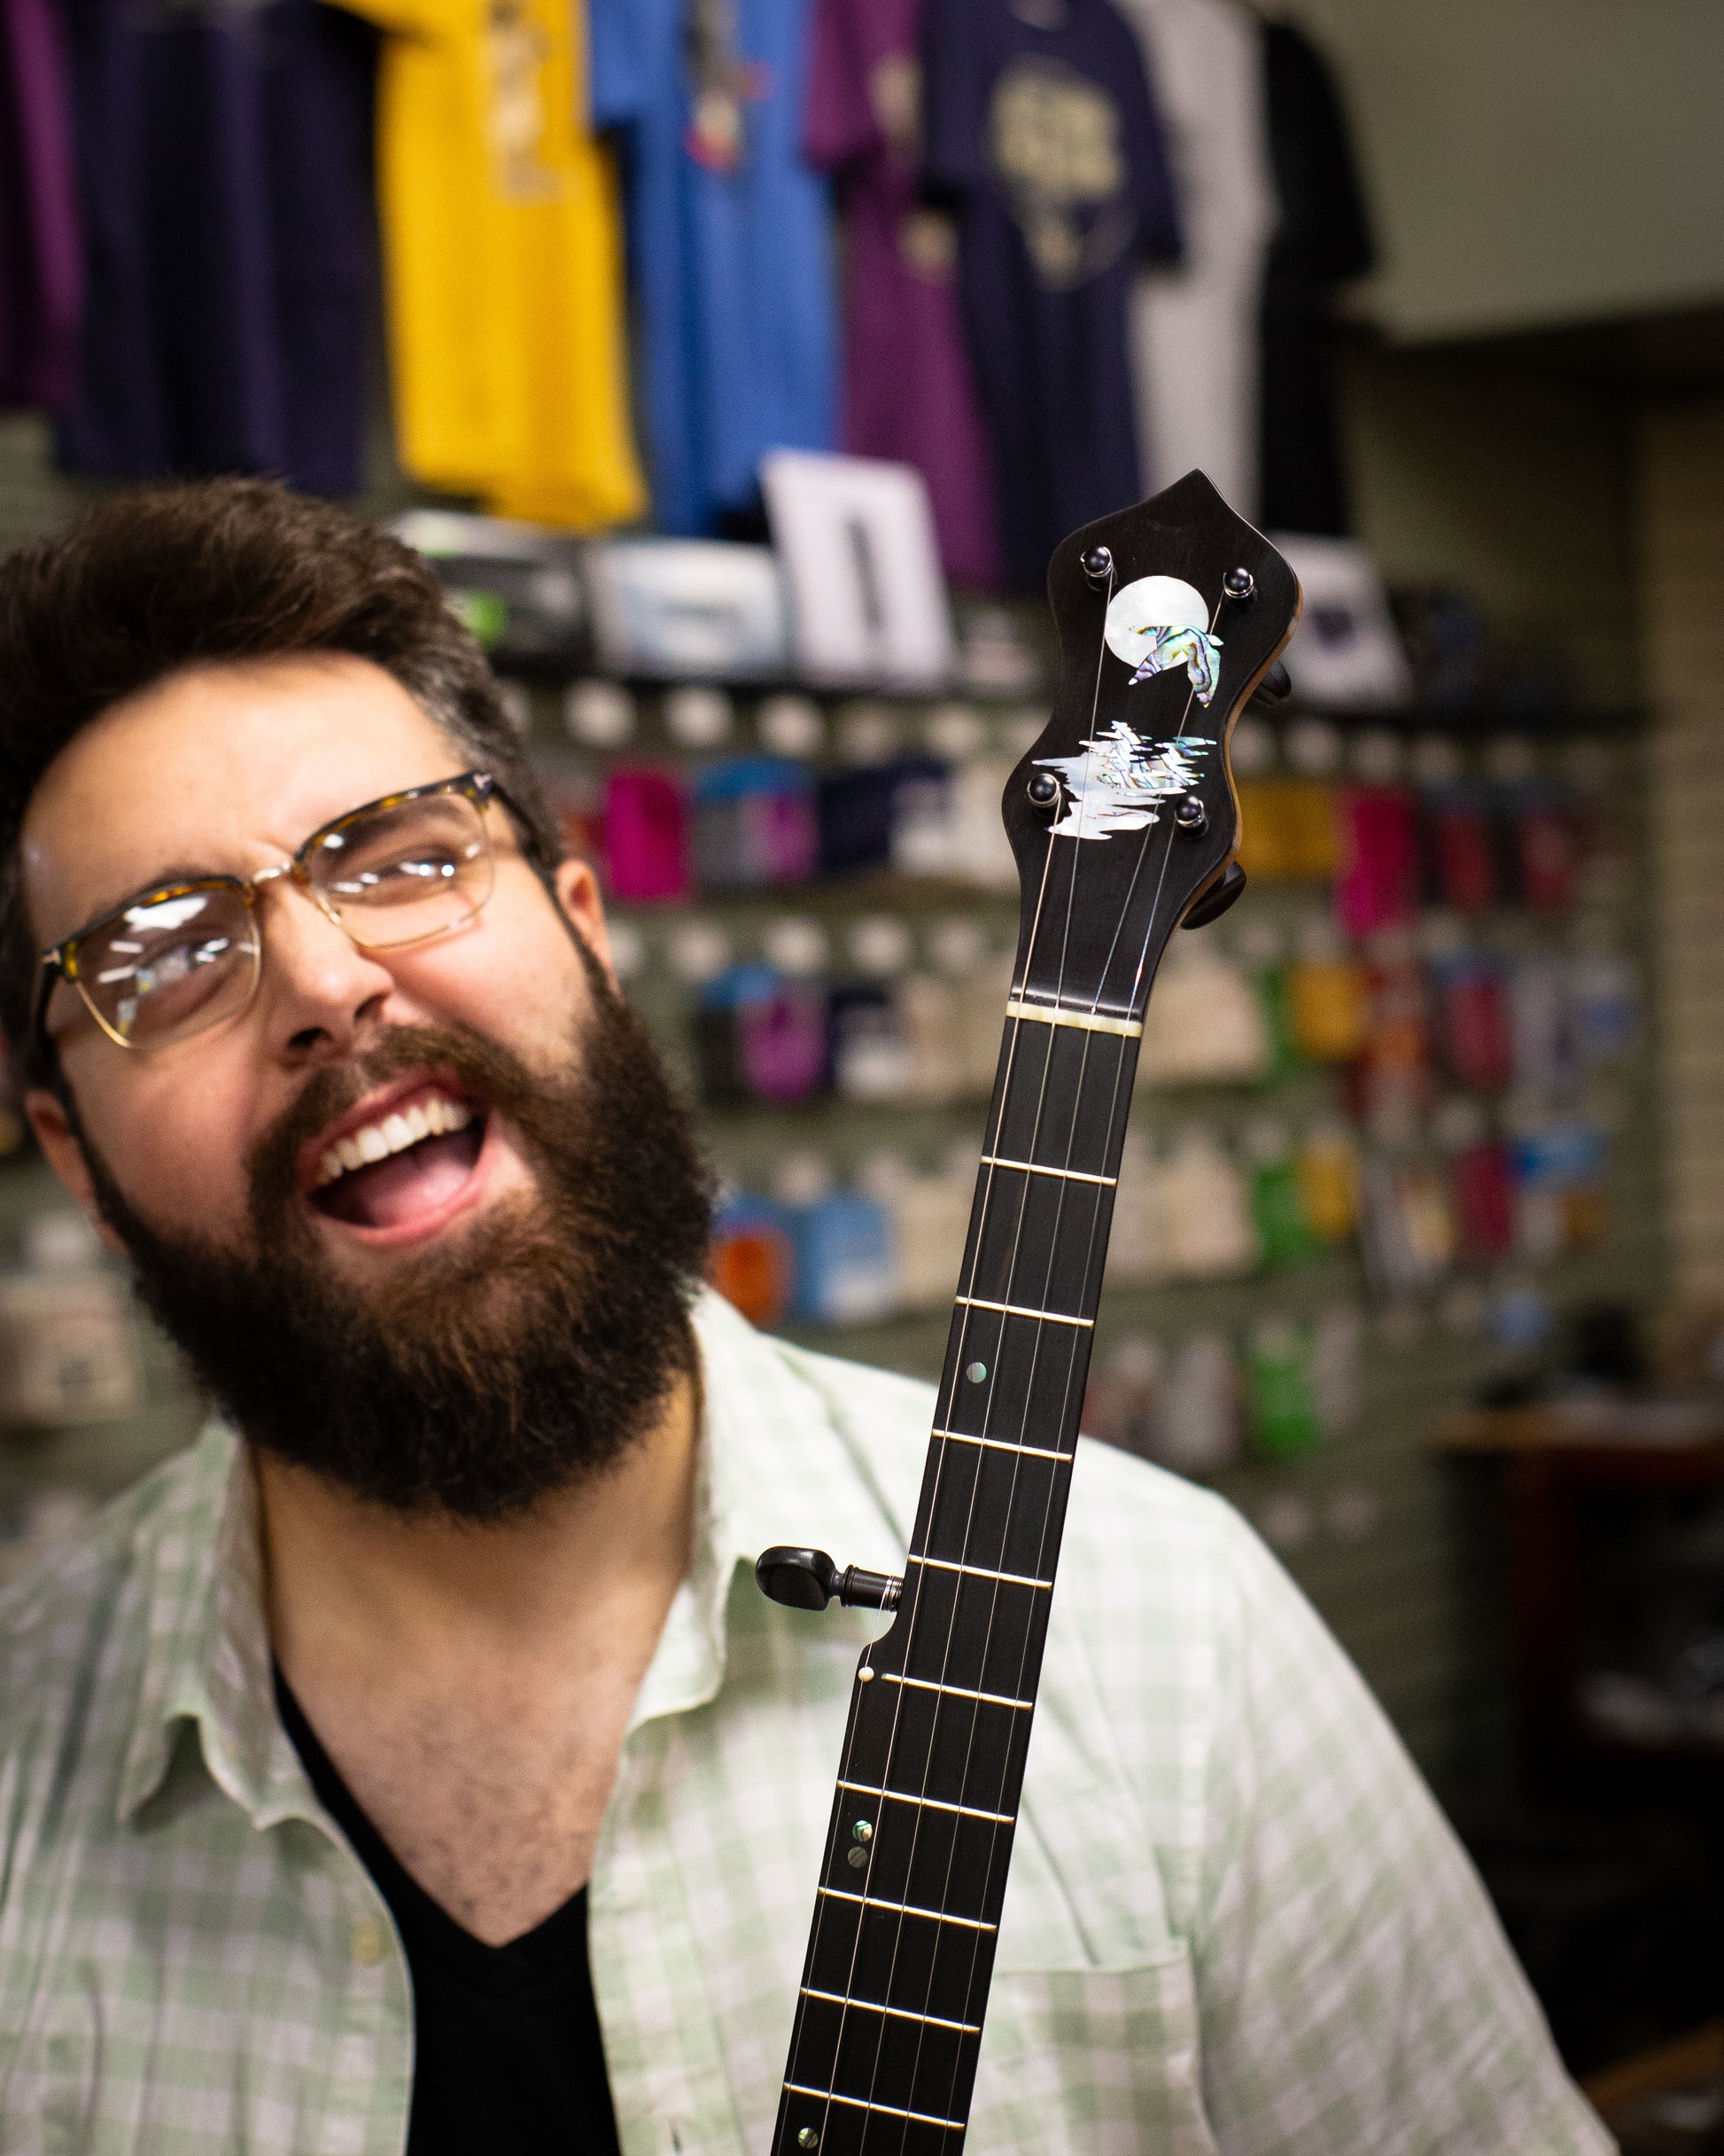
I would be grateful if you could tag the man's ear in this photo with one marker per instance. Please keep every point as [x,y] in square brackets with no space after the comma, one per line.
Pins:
[577,890]
[63,1152]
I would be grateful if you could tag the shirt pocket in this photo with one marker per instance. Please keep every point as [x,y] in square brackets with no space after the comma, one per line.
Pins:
[1092,2062]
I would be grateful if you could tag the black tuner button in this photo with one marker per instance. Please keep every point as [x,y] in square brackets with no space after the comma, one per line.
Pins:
[1098,564]
[1240,585]
[1191,815]
[1043,789]
[808,1579]
[1213,903]
[1275,688]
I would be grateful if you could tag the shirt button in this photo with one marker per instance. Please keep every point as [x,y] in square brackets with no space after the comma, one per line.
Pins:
[368,1942]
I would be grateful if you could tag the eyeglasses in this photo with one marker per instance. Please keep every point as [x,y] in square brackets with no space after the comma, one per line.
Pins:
[184,957]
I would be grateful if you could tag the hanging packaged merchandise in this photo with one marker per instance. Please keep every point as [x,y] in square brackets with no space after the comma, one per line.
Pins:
[1264,852]
[760,1035]
[1261,948]
[871,1054]
[1459,859]
[1338,1370]
[517,587]
[924,825]
[1281,1409]
[1311,829]
[1540,843]
[1377,878]
[753,1259]
[1197,1424]
[1328,995]
[1123,1396]
[1206,1212]
[1547,1066]
[1278,1205]
[1394,1070]
[755,824]
[930,1216]
[1485,1201]
[1407,1223]
[1603,1007]
[1473,1020]
[68,1343]
[863,810]
[928,1012]
[646,834]
[1137,1243]
[847,1264]
[1204,1025]
[1560,1204]
[981,852]
[1042,139]
[667,608]
[1327,1168]
[576,794]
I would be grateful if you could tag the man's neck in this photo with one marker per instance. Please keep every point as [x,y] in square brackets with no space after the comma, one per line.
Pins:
[353,1587]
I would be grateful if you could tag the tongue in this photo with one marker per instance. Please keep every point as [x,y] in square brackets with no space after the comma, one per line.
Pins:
[395,1190]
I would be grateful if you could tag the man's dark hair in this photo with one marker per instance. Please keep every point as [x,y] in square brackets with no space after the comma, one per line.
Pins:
[154,582]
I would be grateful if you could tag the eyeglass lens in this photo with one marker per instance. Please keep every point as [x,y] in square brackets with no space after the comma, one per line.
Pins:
[170,966]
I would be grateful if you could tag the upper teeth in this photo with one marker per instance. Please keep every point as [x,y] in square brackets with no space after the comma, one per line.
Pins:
[393,1133]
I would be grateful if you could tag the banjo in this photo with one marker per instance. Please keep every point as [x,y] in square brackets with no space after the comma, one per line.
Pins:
[1124,822]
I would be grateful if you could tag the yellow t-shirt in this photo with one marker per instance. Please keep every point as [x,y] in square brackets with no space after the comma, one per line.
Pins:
[503,260]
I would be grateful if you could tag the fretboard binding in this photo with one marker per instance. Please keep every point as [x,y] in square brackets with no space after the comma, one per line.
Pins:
[982,1572]
[1003,1444]
[1023,1310]
[904,2013]
[960,1691]
[1033,1167]
[928,1803]
[868,2103]
[906,1908]
[1084,1021]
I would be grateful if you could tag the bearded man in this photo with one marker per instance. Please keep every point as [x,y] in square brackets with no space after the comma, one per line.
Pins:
[413,1762]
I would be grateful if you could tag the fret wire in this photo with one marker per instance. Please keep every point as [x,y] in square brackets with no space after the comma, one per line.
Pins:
[1020,1310]
[1034,1167]
[962,1692]
[928,1803]
[906,1909]
[985,1572]
[1003,1444]
[904,2013]
[868,2103]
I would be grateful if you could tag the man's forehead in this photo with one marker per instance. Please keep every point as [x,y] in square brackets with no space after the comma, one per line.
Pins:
[221,769]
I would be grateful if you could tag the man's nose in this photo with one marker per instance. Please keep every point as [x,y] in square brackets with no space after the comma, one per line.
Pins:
[319,990]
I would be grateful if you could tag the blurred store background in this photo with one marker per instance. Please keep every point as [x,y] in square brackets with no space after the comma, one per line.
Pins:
[1419,1253]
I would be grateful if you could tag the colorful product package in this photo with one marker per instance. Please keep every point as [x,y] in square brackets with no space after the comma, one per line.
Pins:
[760,1035]
[847,1271]
[1281,1400]
[1458,860]
[755,824]
[753,1257]
[646,834]
[1474,1027]
[1376,875]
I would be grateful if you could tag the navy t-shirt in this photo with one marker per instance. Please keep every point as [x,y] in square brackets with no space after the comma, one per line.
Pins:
[1042,136]
[224,173]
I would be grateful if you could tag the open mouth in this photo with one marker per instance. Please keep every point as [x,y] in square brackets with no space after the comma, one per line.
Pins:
[409,1162]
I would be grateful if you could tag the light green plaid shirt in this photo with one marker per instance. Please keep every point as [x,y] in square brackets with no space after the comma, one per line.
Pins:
[1235,1921]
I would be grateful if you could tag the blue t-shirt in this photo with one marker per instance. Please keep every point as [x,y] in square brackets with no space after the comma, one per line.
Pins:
[1041,135]
[224,168]
[731,268]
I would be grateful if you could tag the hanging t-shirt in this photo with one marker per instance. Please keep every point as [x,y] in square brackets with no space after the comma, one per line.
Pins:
[730,242]
[503,260]
[1322,239]
[1042,135]
[224,174]
[1195,328]
[41,243]
[908,393]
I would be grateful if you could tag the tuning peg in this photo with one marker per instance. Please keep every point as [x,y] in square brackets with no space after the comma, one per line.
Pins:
[1275,688]
[1213,903]
[808,1579]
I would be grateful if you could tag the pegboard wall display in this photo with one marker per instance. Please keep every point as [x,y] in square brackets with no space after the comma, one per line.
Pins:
[1395,1123]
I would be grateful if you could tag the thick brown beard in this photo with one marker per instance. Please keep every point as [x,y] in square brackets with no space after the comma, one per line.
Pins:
[529,1354]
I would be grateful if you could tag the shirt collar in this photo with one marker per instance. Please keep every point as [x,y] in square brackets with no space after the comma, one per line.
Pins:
[776,1465]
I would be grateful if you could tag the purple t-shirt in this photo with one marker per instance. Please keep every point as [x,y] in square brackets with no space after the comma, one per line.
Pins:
[908,391]
[41,251]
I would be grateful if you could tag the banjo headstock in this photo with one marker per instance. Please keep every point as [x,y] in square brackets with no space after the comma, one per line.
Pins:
[1124,815]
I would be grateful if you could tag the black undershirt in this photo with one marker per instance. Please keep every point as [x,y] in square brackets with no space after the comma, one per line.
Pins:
[508,2054]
